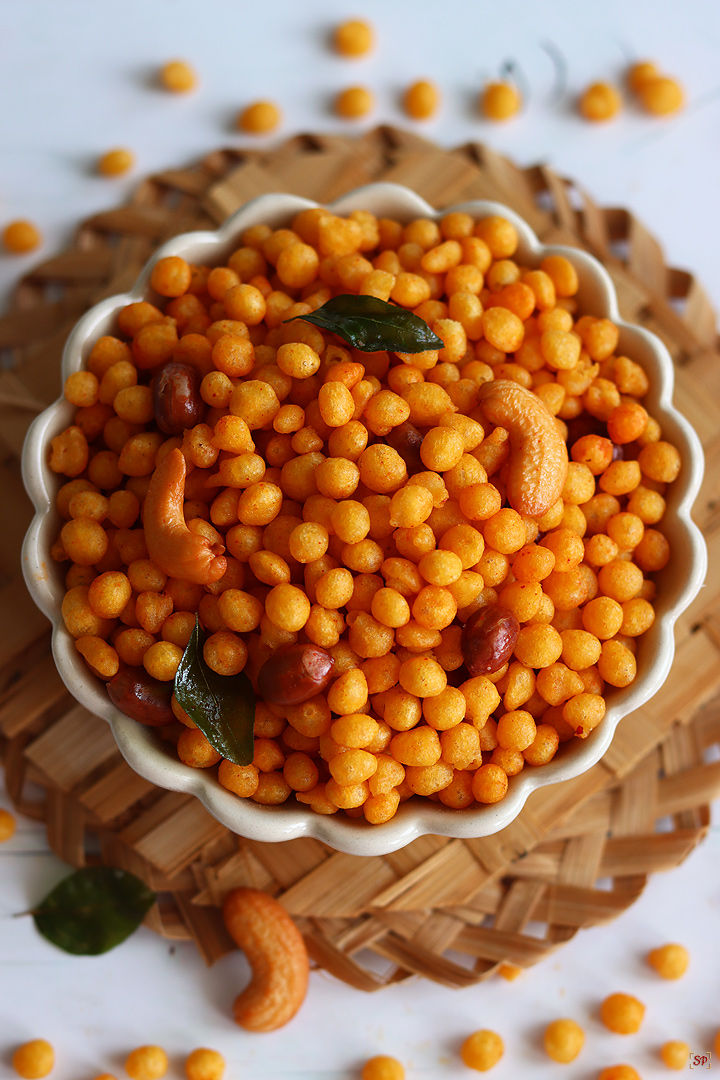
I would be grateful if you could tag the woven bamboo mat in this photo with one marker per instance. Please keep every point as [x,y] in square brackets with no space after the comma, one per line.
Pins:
[451,910]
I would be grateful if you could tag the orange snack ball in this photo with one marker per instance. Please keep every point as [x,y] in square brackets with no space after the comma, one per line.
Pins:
[146,1063]
[194,750]
[308,542]
[355,37]
[440,567]
[356,730]
[81,389]
[617,665]
[298,360]
[480,501]
[516,730]
[626,530]
[593,451]
[7,826]
[350,520]
[538,645]
[421,100]
[204,1064]
[640,72]
[109,593]
[441,449]
[225,653]
[489,785]
[534,563]
[622,1013]
[69,452]
[161,660]
[483,1049]
[381,468]
[460,745]
[652,552]
[259,504]
[562,273]
[661,95]
[390,608]
[178,77]
[20,237]
[259,118]
[170,276]
[368,637]
[500,101]
[580,649]
[434,607]
[563,1040]
[566,546]
[297,266]
[383,1067]
[560,350]
[502,329]
[84,540]
[353,766]
[670,961]
[354,102]
[34,1059]
[675,1054]
[419,747]
[620,580]
[627,422]
[505,531]
[583,712]
[380,808]
[660,461]
[288,607]
[348,694]
[603,617]
[600,102]
[444,710]
[543,747]
[646,504]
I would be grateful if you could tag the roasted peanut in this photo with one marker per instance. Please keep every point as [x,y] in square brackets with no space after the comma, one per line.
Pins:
[407,440]
[141,697]
[538,463]
[177,551]
[295,674]
[276,952]
[488,639]
[176,398]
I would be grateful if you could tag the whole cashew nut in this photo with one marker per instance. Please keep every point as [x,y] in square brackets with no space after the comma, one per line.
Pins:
[171,546]
[277,955]
[538,463]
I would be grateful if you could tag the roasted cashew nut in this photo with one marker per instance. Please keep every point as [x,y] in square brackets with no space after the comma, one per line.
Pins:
[171,546]
[276,952]
[538,463]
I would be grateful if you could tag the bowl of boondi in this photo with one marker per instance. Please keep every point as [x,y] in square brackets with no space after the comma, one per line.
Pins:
[491,612]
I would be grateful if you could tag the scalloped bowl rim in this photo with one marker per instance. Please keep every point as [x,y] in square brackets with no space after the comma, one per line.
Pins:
[152,759]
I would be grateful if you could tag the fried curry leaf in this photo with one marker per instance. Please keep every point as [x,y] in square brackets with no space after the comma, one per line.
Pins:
[222,706]
[93,910]
[371,324]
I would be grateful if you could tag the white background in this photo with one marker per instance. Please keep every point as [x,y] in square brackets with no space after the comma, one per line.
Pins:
[76,79]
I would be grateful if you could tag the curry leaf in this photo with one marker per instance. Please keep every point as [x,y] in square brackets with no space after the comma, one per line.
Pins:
[371,324]
[93,910]
[222,706]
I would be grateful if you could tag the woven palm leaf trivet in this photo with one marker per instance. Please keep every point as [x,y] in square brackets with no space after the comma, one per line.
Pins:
[581,852]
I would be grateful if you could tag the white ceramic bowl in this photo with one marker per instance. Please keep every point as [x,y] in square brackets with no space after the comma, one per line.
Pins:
[156,761]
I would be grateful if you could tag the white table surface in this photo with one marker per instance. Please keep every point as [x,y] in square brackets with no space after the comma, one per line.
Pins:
[75,80]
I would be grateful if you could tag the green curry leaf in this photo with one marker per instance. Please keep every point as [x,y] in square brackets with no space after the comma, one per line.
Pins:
[222,706]
[93,910]
[371,324]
